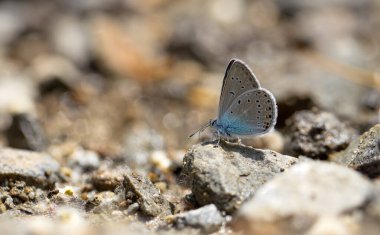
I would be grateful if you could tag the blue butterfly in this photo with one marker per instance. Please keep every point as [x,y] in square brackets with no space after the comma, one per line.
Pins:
[245,108]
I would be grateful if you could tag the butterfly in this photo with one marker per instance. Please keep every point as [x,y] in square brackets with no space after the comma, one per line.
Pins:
[245,108]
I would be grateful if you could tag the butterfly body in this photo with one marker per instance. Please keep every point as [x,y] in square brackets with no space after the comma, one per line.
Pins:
[245,108]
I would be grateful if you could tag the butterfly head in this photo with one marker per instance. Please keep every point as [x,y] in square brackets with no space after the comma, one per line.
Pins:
[220,129]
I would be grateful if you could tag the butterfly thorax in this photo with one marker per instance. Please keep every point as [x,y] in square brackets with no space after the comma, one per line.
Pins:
[219,127]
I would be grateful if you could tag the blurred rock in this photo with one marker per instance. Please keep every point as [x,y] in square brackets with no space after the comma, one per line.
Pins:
[107,179]
[273,141]
[86,160]
[372,209]
[371,100]
[294,200]
[138,144]
[161,160]
[70,220]
[92,5]
[299,4]
[207,218]
[141,189]
[369,223]
[227,11]
[107,202]
[317,134]
[54,73]
[290,104]
[16,93]
[332,225]
[11,22]
[363,154]
[75,44]
[34,168]
[212,172]
[189,39]
[203,96]
[120,53]
[25,132]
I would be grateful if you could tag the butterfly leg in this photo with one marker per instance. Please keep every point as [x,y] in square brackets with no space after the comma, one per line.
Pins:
[218,139]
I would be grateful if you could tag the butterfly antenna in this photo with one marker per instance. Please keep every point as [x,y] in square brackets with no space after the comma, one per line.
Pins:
[201,129]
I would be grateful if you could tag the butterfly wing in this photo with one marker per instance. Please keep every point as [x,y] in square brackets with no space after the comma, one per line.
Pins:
[251,113]
[238,79]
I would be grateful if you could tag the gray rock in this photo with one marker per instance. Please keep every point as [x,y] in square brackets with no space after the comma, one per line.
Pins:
[317,134]
[295,199]
[138,143]
[207,218]
[369,223]
[11,22]
[25,132]
[229,174]
[34,168]
[133,208]
[363,154]
[141,189]
[86,160]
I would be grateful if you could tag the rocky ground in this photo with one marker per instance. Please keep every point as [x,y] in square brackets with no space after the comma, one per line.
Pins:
[98,98]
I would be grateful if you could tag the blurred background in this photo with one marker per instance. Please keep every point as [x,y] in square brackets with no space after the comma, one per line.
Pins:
[128,78]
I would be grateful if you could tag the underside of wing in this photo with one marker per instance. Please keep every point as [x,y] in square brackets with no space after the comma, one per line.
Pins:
[253,112]
[238,79]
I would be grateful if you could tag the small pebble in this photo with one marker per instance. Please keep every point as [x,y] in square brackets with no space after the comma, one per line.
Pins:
[3,208]
[31,195]
[9,203]
[133,208]
[160,160]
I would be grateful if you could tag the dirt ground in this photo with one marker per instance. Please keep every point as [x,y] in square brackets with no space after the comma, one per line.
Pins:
[98,99]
